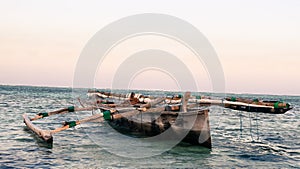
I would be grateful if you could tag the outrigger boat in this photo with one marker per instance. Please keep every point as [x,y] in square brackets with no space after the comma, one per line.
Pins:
[178,114]
[157,118]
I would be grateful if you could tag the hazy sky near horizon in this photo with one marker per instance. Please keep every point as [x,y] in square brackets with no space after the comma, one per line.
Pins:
[257,41]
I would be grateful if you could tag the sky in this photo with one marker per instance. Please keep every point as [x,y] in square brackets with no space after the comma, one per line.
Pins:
[257,41]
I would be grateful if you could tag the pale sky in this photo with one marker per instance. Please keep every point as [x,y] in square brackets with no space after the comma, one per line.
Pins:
[257,41]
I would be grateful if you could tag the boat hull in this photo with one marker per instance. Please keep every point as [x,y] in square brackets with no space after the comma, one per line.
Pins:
[190,127]
[248,108]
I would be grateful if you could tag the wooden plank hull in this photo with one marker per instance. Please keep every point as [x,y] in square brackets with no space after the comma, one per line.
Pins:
[235,105]
[193,125]
[250,108]
[43,134]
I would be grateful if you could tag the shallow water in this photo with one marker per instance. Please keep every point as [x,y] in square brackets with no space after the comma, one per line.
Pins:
[240,139]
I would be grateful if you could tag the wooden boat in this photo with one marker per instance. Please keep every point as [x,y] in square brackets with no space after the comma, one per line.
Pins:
[193,125]
[197,134]
[182,117]
[190,126]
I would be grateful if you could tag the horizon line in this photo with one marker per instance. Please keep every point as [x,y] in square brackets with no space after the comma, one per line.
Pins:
[229,92]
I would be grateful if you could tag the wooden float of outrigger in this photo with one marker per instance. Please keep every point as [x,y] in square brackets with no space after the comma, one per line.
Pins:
[176,113]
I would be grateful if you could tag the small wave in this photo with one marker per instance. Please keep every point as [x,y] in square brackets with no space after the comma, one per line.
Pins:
[4,105]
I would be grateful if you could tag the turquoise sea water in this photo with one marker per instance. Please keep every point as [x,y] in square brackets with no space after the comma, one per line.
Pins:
[240,139]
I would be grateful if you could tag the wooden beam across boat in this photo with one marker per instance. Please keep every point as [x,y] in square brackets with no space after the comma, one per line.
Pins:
[248,105]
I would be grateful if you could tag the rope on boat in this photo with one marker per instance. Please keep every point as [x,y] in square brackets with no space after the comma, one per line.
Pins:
[219,120]
[71,109]
[142,121]
[250,126]
[70,123]
[257,127]
[241,124]
[223,112]
[80,102]
[107,115]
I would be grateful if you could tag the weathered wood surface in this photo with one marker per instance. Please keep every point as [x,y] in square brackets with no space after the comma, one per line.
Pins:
[194,123]
[43,134]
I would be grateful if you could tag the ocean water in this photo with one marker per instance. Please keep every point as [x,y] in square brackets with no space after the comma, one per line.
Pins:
[239,139]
